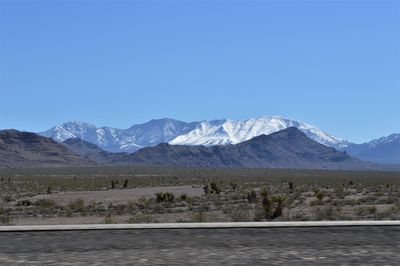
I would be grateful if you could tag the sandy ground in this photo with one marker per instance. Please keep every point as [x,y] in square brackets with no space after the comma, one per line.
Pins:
[117,196]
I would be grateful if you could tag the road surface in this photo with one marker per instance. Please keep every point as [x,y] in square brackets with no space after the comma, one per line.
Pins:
[364,245]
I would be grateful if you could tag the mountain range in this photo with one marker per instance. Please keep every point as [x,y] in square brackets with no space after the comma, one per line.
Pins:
[382,150]
[288,148]
[208,133]
[216,132]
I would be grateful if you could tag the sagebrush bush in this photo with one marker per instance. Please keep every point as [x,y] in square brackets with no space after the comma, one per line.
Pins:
[167,197]
[77,205]
[45,203]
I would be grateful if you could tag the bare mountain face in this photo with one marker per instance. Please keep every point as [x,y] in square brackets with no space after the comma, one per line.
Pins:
[288,148]
[94,153]
[382,150]
[26,149]
[208,133]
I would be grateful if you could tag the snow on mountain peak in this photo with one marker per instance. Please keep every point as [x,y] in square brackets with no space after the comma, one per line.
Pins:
[386,139]
[236,131]
[213,132]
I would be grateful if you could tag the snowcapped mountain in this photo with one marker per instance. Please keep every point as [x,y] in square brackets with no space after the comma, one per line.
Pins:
[121,140]
[214,132]
[382,150]
[222,132]
[384,140]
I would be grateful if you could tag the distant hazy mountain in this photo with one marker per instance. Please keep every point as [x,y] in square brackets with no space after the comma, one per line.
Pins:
[215,132]
[25,149]
[289,148]
[382,150]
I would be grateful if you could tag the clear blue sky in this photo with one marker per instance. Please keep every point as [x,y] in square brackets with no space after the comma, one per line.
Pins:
[334,64]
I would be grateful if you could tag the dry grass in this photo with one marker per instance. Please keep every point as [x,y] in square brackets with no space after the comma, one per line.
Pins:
[136,195]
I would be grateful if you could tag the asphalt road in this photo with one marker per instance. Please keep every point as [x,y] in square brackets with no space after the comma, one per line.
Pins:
[372,245]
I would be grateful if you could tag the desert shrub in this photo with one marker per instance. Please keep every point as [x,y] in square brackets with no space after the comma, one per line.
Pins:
[157,208]
[24,202]
[234,186]
[339,192]
[165,197]
[315,202]
[142,203]
[8,198]
[199,216]
[372,210]
[206,189]
[132,206]
[120,209]
[386,213]
[108,219]
[5,219]
[337,202]
[258,215]
[95,207]
[140,219]
[251,196]
[183,197]
[327,213]
[279,200]
[291,187]
[362,210]
[319,195]
[351,202]
[45,203]
[391,200]
[169,197]
[45,206]
[213,188]
[77,205]
[369,199]
[159,197]
[266,203]
[238,215]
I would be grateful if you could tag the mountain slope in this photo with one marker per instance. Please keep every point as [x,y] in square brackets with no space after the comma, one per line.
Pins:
[215,132]
[94,153]
[289,148]
[222,132]
[382,150]
[26,149]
